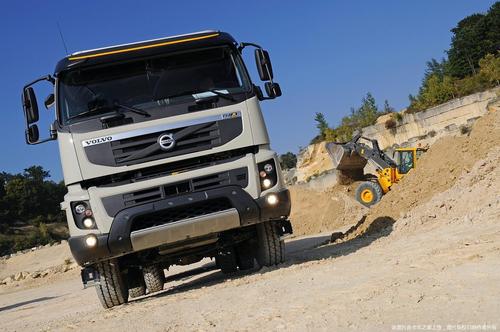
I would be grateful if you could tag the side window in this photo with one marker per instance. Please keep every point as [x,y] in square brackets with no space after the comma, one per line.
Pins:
[405,161]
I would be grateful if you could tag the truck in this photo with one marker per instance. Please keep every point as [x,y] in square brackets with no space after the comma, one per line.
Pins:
[166,159]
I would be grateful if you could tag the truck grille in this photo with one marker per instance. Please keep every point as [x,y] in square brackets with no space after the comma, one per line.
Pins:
[180,213]
[127,151]
[143,148]
[238,177]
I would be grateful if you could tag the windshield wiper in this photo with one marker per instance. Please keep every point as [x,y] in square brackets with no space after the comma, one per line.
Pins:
[222,95]
[132,109]
[105,108]
[194,92]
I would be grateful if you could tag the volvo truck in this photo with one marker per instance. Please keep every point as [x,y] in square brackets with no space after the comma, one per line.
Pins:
[166,159]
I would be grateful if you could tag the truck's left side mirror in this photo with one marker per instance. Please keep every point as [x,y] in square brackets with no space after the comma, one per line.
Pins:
[273,89]
[32,134]
[30,105]
[31,115]
[264,66]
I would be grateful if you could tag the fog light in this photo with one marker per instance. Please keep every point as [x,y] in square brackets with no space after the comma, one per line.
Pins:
[88,222]
[266,183]
[80,208]
[91,240]
[272,199]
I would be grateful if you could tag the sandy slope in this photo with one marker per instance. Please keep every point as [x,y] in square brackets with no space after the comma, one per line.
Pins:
[429,253]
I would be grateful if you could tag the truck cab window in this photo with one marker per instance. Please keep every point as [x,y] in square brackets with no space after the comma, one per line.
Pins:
[151,83]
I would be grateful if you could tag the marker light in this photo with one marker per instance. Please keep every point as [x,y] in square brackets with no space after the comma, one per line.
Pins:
[266,183]
[268,168]
[272,199]
[262,174]
[88,222]
[88,213]
[80,208]
[91,240]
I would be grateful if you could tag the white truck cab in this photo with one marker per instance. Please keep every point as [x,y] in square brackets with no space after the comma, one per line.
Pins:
[166,158]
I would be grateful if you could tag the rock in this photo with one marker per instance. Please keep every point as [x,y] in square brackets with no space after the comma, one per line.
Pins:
[36,274]
[19,276]
[7,280]
[45,273]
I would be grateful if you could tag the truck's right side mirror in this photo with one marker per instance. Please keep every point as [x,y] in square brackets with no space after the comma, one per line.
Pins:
[263,62]
[30,105]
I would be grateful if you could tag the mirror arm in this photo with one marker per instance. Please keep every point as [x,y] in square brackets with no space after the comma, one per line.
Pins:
[43,78]
[244,44]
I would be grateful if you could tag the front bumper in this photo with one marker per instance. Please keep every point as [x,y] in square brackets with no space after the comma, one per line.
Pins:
[121,240]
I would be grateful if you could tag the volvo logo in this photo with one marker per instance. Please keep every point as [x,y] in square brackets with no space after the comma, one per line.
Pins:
[166,141]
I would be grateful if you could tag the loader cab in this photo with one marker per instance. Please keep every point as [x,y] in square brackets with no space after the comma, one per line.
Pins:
[406,158]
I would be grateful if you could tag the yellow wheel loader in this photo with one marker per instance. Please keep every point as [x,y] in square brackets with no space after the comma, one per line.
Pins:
[351,157]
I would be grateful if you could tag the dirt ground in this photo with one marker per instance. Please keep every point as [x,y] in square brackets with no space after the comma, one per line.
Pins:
[426,257]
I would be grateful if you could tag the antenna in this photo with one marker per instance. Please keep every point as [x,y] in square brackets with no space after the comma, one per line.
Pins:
[62,38]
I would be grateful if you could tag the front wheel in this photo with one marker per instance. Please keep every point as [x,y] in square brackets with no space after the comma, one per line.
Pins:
[270,249]
[369,193]
[111,289]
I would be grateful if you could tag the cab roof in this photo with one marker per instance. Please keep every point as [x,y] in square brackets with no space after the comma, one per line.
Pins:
[143,49]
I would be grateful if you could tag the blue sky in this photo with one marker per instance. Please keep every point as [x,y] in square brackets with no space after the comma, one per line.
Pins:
[326,54]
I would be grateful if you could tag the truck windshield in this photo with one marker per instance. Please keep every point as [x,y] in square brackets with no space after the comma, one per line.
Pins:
[151,83]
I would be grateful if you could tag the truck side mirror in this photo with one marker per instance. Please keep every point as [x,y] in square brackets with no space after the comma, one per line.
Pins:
[32,134]
[30,105]
[273,90]
[49,101]
[264,66]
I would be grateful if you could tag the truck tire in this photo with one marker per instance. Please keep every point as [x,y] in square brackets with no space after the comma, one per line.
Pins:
[137,291]
[111,289]
[270,249]
[154,278]
[226,261]
[135,282]
[369,193]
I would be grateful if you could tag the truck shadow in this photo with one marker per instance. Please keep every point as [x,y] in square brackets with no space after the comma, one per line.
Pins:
[298,251]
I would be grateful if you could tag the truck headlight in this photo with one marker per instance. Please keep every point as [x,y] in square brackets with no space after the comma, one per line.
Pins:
[267,174]
[91,240]
[83,215]
[88,223]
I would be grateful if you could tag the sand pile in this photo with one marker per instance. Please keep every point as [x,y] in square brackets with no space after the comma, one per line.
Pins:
[316,212]
[437,171]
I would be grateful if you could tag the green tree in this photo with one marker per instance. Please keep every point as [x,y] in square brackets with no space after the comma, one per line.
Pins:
[321,124]
[473,38]
[388,108]
[288,160]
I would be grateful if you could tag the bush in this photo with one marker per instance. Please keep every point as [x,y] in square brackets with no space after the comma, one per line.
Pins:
[464,129]
[390,124]
[397,116]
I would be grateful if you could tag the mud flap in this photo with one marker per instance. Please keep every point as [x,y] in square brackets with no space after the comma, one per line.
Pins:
[285,229]
[90,277]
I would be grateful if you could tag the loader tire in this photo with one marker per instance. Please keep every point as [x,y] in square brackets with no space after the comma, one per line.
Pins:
[154,278]
[270,249]
[111,289]
[369,193]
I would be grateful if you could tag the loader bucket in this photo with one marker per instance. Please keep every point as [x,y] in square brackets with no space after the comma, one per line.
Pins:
[344,158]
